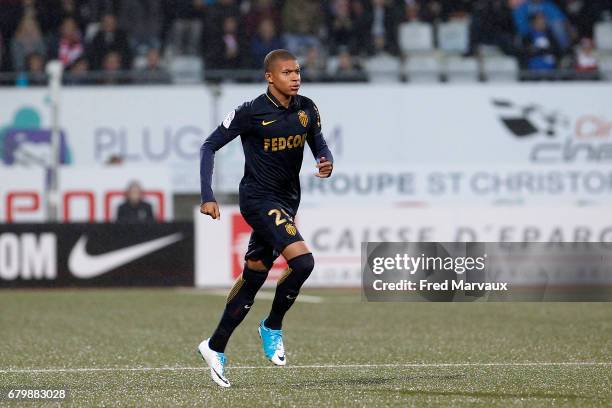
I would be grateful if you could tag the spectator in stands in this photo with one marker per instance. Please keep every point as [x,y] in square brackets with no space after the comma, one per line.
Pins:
[412,12]
[341,29]
[302,22]
[348,69]
[361,24]
[153,72]
[35,63]
[383,27]
[141,19]
[216,15]
[34,74]
[492,24]
[555,19]
[540,45]
[94,10]
[27,41]
[585,58]
[186,27]
[78,73]
[223,35]
[70,44]
[236,34]
[265,41]
[451,9]
[111,66]
[110,38]
[11,12]
[429,10]
[135,209]
[583,14]
[51,14]
[313,65]
[261,10]
[228,51]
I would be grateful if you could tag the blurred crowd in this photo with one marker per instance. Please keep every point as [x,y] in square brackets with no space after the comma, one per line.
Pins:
[111,36]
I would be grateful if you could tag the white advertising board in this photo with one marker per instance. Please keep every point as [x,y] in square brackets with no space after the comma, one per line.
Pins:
[86,194]
[334,235]
[371,128]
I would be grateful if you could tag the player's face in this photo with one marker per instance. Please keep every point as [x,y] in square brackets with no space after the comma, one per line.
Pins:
[285,77]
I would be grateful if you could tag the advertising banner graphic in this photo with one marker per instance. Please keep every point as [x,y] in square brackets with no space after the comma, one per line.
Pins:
[86,194]
[144,126]
[335,235]
[92,255]
[532,128]
[406,185]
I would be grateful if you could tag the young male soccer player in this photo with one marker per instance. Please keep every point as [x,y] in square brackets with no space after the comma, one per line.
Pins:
[273,128]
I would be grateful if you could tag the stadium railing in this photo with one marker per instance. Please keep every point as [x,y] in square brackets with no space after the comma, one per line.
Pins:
[163,77]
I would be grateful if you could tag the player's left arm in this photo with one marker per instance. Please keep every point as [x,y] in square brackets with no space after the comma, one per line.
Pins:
[318,146]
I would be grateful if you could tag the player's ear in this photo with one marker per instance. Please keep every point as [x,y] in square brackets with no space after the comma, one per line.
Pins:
[268,77]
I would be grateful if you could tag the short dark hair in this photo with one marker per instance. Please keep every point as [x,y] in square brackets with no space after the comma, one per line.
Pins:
[277,55]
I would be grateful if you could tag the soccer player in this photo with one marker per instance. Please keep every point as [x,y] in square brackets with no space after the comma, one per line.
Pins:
[273,128]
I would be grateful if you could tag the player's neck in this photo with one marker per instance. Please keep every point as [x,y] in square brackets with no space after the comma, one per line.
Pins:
[282,98]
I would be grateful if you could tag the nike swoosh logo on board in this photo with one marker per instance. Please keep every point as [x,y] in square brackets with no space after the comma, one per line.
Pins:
[86,266]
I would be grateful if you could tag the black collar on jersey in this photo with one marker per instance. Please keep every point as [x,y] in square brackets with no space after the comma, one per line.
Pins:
[292,103]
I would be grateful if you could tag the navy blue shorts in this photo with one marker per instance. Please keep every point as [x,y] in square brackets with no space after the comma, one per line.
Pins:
[273,229]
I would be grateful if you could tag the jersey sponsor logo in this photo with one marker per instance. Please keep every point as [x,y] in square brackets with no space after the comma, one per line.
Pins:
[266,123]
[86,266]
[228,119]
[282,143]
[303,117]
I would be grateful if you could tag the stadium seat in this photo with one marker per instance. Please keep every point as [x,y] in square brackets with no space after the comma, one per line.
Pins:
[459,69]
[605,67]
[415,37]
[453,37]
[331,66]
[139,62]
[383,68]
[500,69]
[603,36]
[423,68]
[487,50]
[186,70]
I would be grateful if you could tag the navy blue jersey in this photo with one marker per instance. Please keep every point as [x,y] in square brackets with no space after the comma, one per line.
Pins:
[273,139]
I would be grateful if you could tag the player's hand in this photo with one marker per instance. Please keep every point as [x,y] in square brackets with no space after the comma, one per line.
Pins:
[211,208]
[325,168]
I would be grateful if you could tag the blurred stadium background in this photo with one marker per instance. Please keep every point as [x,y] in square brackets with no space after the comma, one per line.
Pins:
[449,120]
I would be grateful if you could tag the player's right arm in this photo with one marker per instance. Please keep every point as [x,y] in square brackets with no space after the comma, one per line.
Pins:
[235,123]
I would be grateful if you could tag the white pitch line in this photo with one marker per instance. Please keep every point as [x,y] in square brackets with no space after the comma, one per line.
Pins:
[330,366]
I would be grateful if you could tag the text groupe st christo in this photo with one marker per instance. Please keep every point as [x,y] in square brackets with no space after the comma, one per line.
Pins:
[425,285]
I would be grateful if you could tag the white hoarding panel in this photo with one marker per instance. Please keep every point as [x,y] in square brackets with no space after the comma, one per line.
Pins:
[86,194]
[334,235]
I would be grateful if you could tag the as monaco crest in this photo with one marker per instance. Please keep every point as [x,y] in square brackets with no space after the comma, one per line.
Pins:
[303,118]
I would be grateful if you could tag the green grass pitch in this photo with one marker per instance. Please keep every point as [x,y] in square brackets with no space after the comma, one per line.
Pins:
[137,348]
